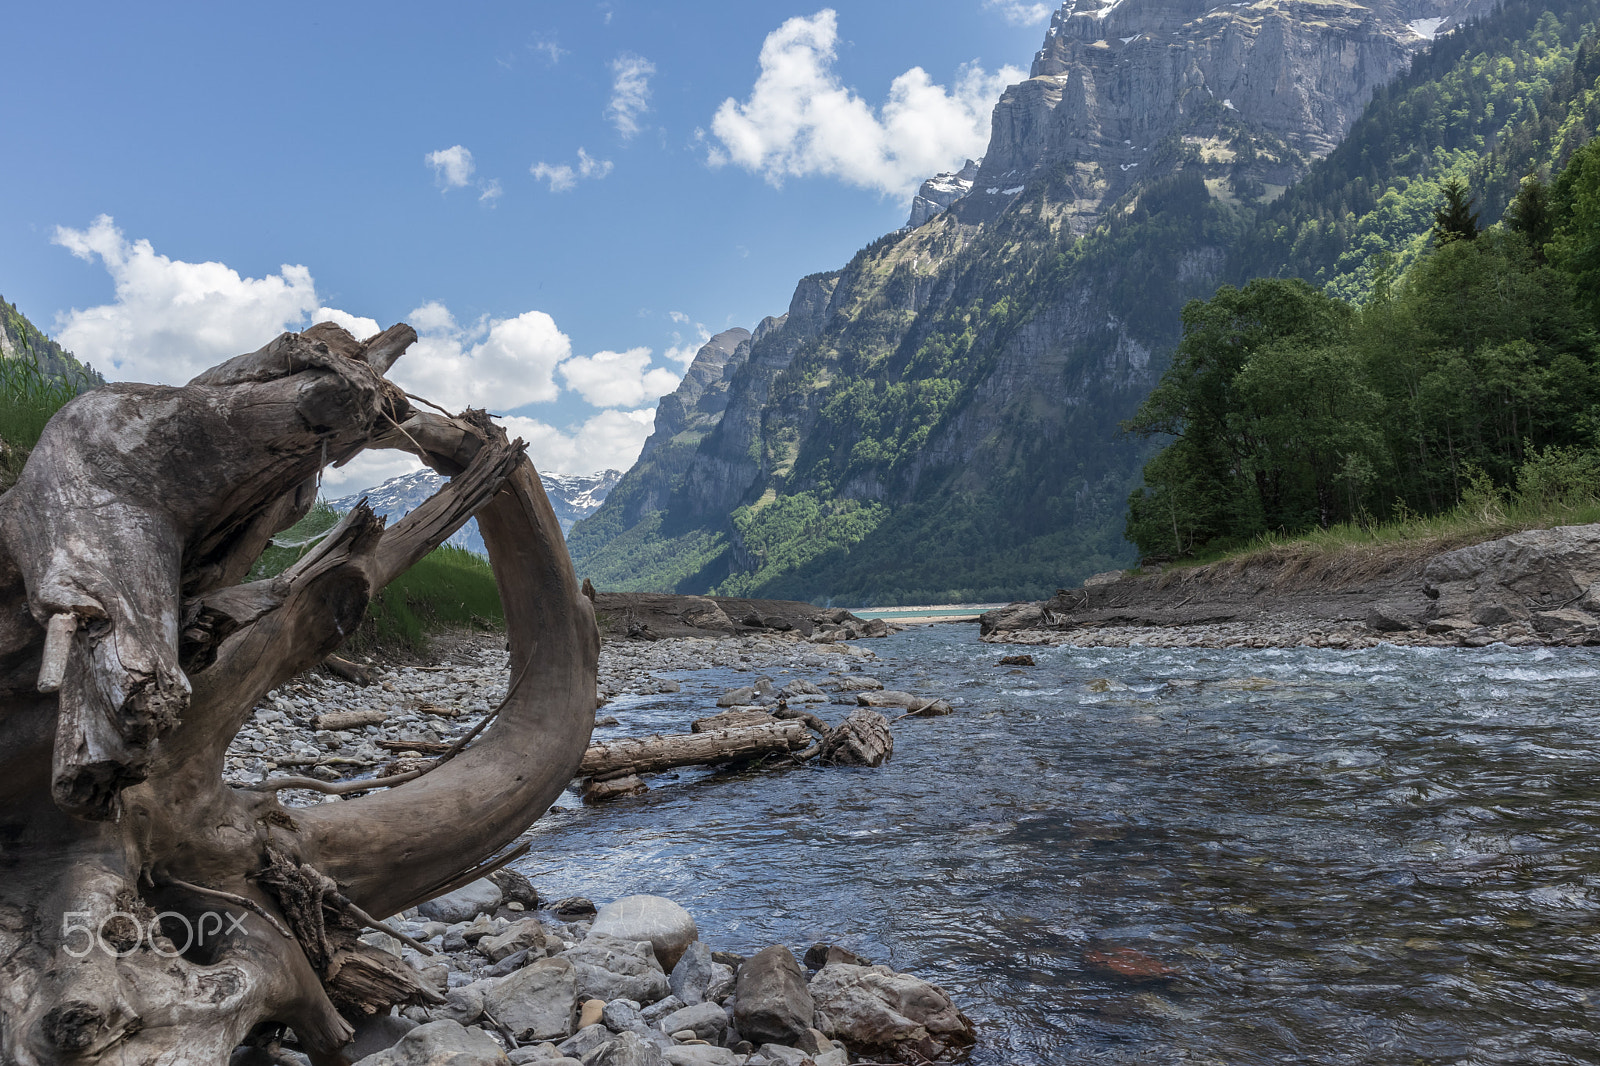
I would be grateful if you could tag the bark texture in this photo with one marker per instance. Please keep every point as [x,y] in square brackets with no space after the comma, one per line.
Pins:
[648,755]
[130,655]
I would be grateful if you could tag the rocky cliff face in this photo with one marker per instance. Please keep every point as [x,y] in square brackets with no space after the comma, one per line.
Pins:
[1125,91]
[939,419]
[939,192]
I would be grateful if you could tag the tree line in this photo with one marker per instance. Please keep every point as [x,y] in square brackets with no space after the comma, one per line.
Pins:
[1479,365]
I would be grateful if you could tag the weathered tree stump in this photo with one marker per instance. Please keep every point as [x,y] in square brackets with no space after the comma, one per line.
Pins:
[862,739]
[130,655]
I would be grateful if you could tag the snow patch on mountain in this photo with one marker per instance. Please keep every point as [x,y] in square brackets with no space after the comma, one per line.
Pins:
[572,497]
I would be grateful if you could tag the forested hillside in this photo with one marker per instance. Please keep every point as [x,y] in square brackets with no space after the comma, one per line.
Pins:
[941,419]
[36,378]
[1477,371]
[21,338]
[1500,98]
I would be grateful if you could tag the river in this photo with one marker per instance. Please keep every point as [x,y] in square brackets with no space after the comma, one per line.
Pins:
[1388,856]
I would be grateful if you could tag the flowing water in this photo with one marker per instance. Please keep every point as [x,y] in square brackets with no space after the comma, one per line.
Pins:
[1373,857]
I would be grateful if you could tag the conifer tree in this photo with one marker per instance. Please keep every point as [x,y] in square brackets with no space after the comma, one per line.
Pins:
[1455,220]
[1529,214]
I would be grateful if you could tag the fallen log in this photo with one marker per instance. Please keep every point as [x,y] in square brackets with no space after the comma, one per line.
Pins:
[346,670]
[337,720]
[647,755]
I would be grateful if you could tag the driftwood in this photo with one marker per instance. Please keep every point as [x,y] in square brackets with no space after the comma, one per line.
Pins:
[346,670]
[648,755]
[862,739]
[735,719]
[143,902]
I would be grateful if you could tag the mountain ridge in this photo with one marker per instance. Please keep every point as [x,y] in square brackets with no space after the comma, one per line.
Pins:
[938,419]
[572,496]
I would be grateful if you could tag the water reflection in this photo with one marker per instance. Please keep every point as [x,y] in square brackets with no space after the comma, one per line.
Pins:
[1385,856]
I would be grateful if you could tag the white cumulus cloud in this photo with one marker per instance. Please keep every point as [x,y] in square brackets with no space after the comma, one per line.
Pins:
[618,379]
[452,167]
[1019,13]
[358,326]
[800,120]
[172,319]
[563,177]
[610,440]
[630,92]
[497,364]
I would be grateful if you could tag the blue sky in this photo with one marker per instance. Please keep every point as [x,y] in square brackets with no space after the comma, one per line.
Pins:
[563,197]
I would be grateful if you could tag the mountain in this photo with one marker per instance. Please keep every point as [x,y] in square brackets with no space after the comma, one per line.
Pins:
[573,497]
[939,420]
[19,337]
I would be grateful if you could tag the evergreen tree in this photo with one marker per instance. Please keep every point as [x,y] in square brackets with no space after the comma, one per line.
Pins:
[1529,215]
[1455,220]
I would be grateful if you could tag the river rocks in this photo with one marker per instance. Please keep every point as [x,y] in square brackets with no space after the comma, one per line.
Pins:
[586,1039]
[873,1009]
[771,1002]
[441,1043]
[465,903]
[691,977]
[703,613]
[854,683]
[708,1021]
[1017,660]
[1540,569]
[622,1015]
[889,698]
[668,927]
[626,1049]
[537,1002]
[701,1055]
[738,697]
[525,935]
[609,968]
[514,888]
[862,739]
[1012,616]
[1126,964]
[1388,618]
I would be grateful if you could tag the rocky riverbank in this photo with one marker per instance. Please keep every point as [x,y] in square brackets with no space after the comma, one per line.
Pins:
[565,983]
[1539,587]
[325,727]
[527,980]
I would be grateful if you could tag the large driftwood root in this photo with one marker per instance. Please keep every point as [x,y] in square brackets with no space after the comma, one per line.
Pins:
[149,914]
